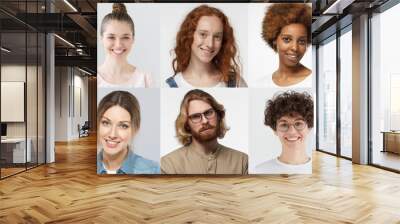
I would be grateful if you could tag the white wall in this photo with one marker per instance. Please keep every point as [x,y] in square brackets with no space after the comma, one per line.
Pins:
[68,81]
[16,73]
[61,103]
[79,117]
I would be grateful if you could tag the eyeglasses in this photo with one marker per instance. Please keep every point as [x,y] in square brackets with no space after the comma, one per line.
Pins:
[198,117]
[284,126]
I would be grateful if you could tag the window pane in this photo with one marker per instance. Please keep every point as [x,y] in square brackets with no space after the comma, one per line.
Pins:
[385,89]
[13,83]
[327,97]
[346,94]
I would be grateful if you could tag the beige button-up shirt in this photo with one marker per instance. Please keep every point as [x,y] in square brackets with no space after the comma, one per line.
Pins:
[189,160]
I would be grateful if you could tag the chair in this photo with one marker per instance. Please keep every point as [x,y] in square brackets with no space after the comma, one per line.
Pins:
[84,130]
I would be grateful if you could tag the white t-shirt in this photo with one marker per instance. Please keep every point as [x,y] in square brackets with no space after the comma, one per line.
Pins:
[139,79]
[274,166]
[181,82]
[110,171]
[267,81]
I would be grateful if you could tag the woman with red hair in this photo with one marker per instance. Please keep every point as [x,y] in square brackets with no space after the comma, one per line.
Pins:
[205,51]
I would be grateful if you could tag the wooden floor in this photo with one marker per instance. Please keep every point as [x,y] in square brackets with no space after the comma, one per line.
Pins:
[69,191]
[5,172]
[10,171]
[387,159]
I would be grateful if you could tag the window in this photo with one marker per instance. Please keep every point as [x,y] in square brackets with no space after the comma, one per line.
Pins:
[346,92]
[385,89]
[22,65]
[327,96]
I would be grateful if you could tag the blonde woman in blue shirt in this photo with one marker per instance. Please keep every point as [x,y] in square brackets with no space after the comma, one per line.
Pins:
[118,118]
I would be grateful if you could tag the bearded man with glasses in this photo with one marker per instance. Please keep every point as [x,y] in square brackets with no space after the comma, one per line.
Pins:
[291,116]
[200,123]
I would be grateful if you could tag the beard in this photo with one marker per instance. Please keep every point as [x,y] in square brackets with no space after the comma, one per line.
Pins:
[206,133]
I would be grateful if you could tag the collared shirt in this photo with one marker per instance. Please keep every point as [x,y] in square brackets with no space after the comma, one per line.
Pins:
[133,164]
[190,160]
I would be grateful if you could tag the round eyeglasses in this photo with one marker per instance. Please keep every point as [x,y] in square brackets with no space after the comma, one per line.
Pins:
[198,117]
[284,126]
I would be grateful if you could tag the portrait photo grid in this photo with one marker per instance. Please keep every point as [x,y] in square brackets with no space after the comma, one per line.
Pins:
[205,88]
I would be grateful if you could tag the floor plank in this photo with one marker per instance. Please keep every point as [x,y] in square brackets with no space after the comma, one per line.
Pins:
[69,191]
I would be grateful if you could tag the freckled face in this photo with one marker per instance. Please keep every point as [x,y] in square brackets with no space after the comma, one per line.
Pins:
[116,130]
[291,44]
[117,39]
[207,39]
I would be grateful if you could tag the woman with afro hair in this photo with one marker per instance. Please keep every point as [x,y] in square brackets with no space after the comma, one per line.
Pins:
[291,116]
[205,51]
[287,30]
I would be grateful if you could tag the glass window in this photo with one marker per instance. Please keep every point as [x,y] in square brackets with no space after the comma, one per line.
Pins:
[346,93]
[22,77]
[327,96]
[13,83]
[385,89]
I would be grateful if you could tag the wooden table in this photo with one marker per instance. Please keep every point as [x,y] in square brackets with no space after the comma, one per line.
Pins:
[391,141]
